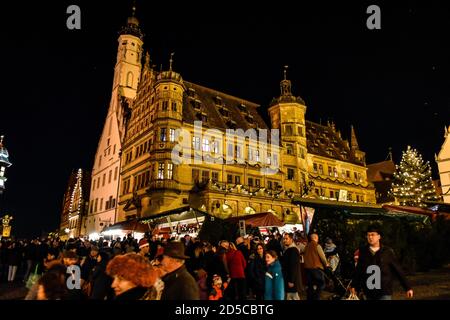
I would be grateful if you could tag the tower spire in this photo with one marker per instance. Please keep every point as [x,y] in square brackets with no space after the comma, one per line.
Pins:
[353,141]
[389,156]
[285,84]
[147,60]
[171,61]
[132,26]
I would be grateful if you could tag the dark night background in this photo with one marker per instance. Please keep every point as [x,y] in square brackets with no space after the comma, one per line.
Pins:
[391,84]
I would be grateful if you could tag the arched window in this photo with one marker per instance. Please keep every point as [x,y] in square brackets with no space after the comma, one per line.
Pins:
[130,79]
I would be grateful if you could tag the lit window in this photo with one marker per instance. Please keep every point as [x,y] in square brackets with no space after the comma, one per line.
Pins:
[163,135]
[196,143]
[161,170]
[290,174]
[205,176]
[230,150]
[215,146]
[257,155]
[195,175]
[289,130]
[205,145]
[171,135]
[170,171]
[275,160]
[238,151]
[289,149]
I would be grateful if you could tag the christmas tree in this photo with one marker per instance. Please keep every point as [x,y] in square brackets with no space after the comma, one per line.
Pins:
[412,183]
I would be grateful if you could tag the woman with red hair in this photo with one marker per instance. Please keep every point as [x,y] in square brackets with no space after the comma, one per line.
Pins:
[134,278]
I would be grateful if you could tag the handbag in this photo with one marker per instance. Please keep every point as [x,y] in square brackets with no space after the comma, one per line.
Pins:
[33,278]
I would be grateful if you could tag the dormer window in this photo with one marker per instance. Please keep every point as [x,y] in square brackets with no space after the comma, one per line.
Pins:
[218,100]
[224,112]
[191,92]
[231,124]
[202,116]
[242,107]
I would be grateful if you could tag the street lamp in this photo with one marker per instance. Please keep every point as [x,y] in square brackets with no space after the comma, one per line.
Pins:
[4,163]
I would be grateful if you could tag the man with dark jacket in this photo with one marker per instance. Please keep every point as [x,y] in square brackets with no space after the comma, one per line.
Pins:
[377,266]
[242,247]
[290,262]
[178,282]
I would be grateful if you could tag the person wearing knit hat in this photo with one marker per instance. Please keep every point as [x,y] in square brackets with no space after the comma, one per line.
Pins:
[144,248]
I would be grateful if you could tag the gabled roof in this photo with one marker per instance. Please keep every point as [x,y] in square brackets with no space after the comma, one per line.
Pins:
[223,111]
[327,142]
[380,170]
[263,219]
[445,146]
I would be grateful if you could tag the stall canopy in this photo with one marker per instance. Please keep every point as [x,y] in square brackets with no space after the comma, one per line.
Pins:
[330,209]
[146,224]
[262,219]
[432,214]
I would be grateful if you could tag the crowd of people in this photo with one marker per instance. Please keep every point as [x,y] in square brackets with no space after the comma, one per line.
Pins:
[280,267]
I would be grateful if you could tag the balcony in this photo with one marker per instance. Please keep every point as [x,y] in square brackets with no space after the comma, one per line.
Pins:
[164,184]
[244,190]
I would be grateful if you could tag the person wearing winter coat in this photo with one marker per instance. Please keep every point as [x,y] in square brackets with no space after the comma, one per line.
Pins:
[290,262]
[100,282]
[256,272]
[134,278]
[375,254]
[178,282]
[274,282]
[315,263]
[13,259]
[236,266]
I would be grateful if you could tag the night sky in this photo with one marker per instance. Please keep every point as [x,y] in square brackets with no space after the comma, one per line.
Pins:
[391,84]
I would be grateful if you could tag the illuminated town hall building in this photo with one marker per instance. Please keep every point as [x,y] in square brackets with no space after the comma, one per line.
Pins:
[150,107]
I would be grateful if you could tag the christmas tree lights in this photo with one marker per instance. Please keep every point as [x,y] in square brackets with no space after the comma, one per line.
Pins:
[412,183]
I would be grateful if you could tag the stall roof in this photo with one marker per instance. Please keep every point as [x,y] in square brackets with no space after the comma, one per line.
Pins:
[140,225]
[262,219]
[356,210]
[418,211]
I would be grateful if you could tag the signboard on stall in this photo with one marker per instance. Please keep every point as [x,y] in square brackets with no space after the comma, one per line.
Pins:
[308,215]
[242,231]
[6,231]
[342,195]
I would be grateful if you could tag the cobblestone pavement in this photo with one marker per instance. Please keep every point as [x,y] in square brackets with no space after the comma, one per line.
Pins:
[432,285]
